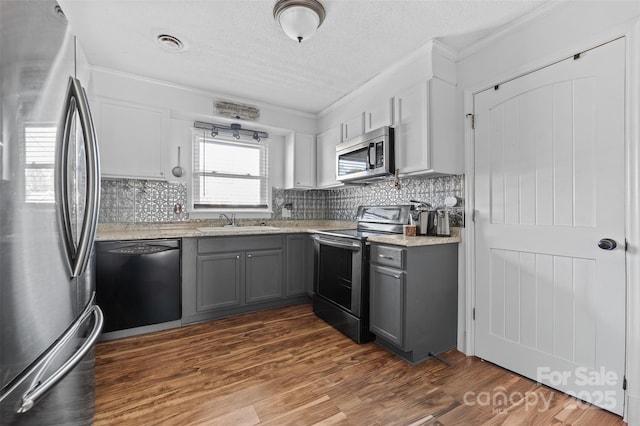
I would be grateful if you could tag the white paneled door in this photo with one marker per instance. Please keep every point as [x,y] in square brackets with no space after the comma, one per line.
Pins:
[550,303]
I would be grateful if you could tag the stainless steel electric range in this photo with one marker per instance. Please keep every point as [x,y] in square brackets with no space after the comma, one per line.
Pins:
[341,281]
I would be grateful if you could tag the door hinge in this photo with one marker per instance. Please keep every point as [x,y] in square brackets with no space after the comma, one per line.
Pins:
[624,383]
[576,56]
[473,314]
[473,120]
[626,245]
[474,214]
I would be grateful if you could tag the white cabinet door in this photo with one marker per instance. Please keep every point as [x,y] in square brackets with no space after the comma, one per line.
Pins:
[549,162]
[326,158]
[131,138]
[412,129]
[300,157]
[425,130]
[353,127]
[379,115]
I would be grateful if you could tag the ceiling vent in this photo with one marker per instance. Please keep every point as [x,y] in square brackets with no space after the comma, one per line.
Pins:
[169,42]
[237,111]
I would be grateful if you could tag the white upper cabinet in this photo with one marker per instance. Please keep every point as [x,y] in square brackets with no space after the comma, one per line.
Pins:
[376,114]
[425,129]
[300,161]
[353,127]
[379,115]
[417,97]
[326,157]
[132,139]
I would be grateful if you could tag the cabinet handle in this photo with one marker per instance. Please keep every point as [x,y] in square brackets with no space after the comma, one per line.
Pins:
[249,255]
[385,257]
[238,257]
[396,276]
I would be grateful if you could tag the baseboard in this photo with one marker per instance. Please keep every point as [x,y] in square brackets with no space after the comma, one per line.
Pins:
[633,410]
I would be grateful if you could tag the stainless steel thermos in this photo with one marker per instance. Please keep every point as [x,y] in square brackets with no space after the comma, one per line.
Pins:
[443,228]
[432,222]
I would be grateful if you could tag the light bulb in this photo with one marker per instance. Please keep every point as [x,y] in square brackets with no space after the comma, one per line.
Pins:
[299,23]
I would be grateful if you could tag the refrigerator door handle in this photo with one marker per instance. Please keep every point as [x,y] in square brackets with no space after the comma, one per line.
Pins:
[40,388]
[76,100]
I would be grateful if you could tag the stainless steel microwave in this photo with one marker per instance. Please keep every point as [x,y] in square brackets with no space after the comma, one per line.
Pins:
[366,157]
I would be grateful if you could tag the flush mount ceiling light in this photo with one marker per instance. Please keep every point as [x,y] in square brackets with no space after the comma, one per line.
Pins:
[170,42]
[299,19]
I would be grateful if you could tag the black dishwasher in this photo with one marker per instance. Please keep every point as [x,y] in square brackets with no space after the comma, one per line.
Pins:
[138,282]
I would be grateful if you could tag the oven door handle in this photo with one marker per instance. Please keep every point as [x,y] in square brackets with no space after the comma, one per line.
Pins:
[339,244]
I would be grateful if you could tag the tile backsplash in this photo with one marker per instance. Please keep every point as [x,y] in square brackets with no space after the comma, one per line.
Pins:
[342,203]
[132,200]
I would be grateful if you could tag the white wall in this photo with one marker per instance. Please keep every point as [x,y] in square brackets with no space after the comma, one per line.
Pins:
[185,105]
[557,31]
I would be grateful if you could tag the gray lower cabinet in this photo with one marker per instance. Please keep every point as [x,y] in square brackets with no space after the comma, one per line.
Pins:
[263,275]
[226,271]
[299,265]
[224,276]
[414,299]
[387,296]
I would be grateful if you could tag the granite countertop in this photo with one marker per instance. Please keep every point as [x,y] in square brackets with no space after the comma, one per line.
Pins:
[418,240]
[147,231]
[150,231]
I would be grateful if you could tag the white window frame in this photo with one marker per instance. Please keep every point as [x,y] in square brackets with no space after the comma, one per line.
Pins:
[200,137]
[33,137]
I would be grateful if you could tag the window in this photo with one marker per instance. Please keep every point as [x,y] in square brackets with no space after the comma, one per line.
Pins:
[39,157]
[229,173]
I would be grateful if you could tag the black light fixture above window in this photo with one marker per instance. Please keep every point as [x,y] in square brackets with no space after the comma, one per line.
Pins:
[234,130]
[299,19]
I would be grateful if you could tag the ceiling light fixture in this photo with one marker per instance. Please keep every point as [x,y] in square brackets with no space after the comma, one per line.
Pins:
[299,19]
[234,129]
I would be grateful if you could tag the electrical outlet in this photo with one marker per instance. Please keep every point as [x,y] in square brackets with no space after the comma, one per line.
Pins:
[286,211]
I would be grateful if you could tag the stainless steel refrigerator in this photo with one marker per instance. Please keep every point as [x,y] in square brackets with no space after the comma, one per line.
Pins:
[49,195]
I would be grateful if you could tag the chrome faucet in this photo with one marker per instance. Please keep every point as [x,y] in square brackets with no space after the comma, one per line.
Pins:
[232,221]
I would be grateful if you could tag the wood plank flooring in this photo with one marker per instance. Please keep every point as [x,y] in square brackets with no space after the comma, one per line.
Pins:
[287,367]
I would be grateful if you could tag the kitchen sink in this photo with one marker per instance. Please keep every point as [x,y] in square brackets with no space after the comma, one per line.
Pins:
[236,228]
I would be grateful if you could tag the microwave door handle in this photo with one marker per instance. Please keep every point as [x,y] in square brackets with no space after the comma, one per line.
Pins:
[372,155]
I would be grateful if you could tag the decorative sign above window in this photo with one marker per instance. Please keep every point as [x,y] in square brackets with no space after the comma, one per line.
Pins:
[237,111]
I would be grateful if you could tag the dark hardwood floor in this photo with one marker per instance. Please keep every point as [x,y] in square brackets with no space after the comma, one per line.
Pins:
[287,367]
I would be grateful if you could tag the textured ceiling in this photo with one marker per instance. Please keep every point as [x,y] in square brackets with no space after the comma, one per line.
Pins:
[235,48]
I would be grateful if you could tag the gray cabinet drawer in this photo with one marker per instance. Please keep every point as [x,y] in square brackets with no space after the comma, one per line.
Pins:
[389,256]
[226,244]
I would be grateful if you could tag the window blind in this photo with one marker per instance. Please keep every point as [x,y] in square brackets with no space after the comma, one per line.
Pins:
[39,157]
[229,173]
